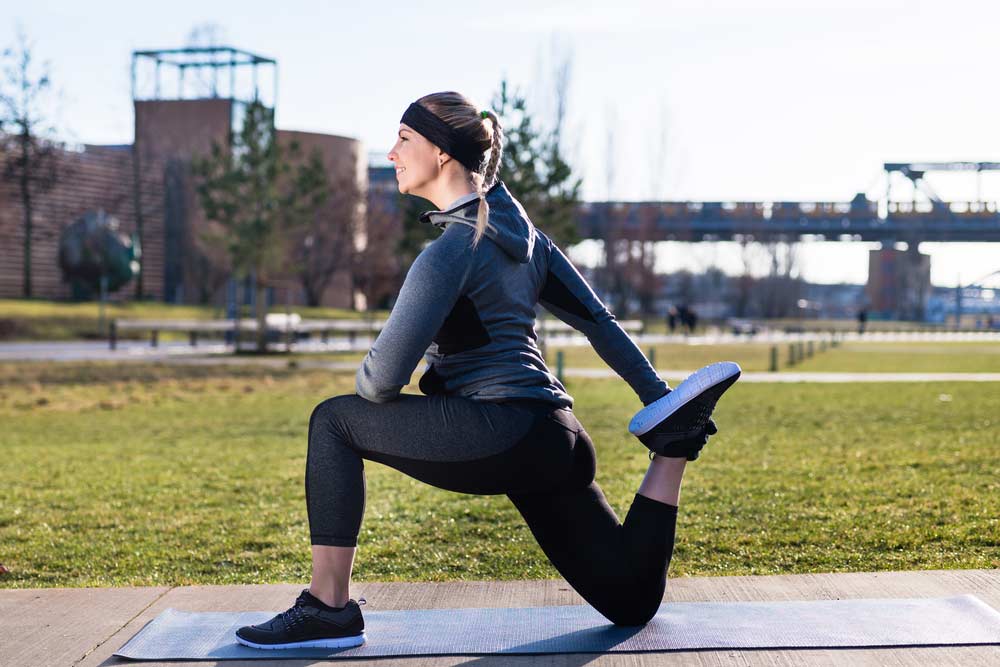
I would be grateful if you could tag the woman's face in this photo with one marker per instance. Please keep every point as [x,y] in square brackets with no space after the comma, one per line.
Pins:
[416,160]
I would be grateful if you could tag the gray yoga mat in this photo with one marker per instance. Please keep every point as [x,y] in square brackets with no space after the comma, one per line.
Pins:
[176,635]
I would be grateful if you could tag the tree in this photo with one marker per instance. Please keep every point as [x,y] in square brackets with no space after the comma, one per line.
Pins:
[413,234]
[254,202]
[326,238]
[31,160]
[391,245]
[533,166]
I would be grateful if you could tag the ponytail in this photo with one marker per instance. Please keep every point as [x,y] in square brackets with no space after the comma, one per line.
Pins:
[485,181]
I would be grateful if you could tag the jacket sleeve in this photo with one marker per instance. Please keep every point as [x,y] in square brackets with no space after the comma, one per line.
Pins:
[568,296]
[432,286]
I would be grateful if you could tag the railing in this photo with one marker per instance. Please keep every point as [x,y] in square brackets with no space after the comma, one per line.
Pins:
[291,326]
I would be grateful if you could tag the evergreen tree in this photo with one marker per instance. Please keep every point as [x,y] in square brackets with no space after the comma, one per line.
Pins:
[254,200]
[534,169]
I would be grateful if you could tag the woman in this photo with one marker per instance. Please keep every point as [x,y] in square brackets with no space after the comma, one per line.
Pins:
[493,419]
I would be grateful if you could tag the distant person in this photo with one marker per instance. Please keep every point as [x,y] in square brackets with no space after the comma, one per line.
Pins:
[689,319]
[494,419]
[862,320]
[672,319]
[692,320]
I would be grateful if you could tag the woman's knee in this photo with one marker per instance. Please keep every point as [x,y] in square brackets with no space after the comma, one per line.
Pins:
[635,611]
[634,602]
[329,413]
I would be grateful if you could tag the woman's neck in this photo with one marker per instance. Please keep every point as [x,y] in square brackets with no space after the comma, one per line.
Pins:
[449,188]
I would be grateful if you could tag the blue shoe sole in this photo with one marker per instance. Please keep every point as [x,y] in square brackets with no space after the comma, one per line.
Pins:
[332,642]
[694,386]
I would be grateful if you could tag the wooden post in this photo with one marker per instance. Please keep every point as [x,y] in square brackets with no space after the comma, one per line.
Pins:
[559,365]
[809,349]
[791,354]
[154,338]
[774,358]
[288,319]
[113,335]
[193,335]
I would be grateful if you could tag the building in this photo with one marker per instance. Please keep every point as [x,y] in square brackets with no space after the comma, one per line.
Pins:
[149,188]
[899,282]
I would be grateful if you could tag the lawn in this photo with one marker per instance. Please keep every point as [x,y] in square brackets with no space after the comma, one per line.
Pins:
[862,357]
[909,357]
[672,356]
[171,475]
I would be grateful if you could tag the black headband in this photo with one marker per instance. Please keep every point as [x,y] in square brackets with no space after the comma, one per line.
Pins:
[454,142]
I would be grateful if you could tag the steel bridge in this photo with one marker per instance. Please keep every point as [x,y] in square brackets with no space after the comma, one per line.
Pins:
[860,219]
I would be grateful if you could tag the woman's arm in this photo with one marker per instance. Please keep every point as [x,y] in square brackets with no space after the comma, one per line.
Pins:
[433,284]
[568,296]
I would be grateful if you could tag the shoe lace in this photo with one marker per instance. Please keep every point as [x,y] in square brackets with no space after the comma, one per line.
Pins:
[294,619]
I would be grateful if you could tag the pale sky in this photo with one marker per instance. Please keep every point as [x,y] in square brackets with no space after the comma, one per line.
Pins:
[709,101]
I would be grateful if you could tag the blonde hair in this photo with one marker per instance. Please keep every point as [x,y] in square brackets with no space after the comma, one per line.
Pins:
[461,114]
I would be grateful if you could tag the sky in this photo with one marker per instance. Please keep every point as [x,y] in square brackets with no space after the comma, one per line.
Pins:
[710,101]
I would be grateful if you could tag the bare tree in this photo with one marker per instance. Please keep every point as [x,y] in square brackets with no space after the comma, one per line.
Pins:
[325,243]
[779,291]
[610,152]
[389,248]
[610,275]
[657,150]
[741,296]
[31,156]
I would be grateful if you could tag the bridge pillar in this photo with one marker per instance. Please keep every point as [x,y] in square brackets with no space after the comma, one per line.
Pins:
[899,281]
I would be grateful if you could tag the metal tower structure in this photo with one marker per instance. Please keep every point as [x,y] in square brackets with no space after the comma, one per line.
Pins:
[204,72]
[184,100]
[915,172]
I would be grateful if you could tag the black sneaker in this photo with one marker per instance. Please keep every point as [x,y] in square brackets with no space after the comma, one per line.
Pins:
[679,423]
[310,623]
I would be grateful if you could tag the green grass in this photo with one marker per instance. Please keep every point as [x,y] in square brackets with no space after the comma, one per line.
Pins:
[146,475]
[659,325]
[915,357]
[29,319]
[907,357]
[673,356]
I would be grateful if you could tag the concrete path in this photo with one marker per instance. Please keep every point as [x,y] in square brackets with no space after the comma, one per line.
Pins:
[792,376]
[134,350]
[84,627]
[137,350]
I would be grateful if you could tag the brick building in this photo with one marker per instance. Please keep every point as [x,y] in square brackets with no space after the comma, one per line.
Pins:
[155,172]
[88,178]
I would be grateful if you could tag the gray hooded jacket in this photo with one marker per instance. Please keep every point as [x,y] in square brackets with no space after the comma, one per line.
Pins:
[471,313]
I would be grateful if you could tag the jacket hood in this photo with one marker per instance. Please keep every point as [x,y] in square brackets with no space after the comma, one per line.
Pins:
[509,226]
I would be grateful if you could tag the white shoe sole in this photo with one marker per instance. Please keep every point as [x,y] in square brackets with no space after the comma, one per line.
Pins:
[338,642]
[695,385]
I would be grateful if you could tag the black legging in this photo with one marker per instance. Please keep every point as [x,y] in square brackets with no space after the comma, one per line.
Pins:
[536,454]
